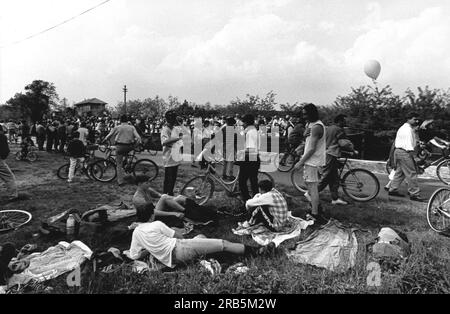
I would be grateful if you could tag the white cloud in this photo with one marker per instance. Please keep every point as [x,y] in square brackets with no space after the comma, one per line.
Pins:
[411,51]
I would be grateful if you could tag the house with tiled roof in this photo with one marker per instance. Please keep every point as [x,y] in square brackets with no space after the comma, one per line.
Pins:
[92,106]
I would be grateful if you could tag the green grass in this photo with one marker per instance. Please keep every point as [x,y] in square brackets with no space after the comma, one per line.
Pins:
[426,271]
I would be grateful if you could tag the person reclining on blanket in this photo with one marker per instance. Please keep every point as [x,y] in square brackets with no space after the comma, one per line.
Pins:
[168,246]
[269,207]
[168,207]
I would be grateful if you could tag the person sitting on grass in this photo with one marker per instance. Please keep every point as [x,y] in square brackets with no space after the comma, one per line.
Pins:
[169,207]
[269,207]
[168,246]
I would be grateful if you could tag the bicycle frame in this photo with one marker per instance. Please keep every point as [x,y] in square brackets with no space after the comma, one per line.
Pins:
[211,171]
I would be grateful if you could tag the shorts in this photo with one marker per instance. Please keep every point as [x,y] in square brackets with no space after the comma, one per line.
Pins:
[189,249]
[312,174]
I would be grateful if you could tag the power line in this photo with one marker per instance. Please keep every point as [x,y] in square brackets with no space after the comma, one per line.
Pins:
[55,26]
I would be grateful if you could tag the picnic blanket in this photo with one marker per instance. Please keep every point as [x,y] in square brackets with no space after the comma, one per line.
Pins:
[264,236]
[53,262]
[333,247]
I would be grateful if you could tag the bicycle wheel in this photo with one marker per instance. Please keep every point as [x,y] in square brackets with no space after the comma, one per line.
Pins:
[286,164]
[438,210]
[146,167]
[297,180]
[13,219]
[63,172]
[443,171]
[200,189]
[32,156]
[103,170]
[360,185]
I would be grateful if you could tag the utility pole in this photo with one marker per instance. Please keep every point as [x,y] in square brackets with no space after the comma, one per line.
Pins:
[125,90]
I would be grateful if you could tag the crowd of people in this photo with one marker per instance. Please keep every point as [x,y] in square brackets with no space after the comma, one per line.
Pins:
[319,147]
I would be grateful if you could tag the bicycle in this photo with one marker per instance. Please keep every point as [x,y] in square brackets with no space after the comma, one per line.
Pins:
[442,163]
[131,165]
[13,219]
[30,156]
[201,188]
[438,211]
[147,144]
[288,160]
[85,168]
[360,185]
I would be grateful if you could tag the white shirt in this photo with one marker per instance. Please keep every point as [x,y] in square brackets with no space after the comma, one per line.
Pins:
[406,138]
[83,135]
[251,138]
[156,238]
[170,151]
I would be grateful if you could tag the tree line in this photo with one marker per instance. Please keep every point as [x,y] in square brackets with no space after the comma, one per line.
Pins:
[374,113]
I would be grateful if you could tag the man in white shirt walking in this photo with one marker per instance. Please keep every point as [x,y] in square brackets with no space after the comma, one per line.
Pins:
[405,143]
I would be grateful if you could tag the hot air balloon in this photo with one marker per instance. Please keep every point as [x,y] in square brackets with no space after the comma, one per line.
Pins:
[372,69]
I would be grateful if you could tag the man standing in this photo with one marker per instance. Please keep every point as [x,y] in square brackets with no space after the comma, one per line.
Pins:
[62,135]
[40,135]
[250,164]
[405,143]
[334,139]
[125,137]
[171,141]
[6,174]
[314,158]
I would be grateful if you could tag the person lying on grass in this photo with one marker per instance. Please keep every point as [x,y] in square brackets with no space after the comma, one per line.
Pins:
[168,246]
[269,207]
[167,207]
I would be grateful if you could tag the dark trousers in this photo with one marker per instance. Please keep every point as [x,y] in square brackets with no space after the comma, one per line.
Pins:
[170,177]
[40,139]
[330,176]
[248,171]
[50,141]
[56,144]
[62,144]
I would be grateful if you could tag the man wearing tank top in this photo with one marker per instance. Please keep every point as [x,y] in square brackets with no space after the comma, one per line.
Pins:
[313,159]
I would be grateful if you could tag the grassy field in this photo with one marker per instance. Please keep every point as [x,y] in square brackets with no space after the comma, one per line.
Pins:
[426,271]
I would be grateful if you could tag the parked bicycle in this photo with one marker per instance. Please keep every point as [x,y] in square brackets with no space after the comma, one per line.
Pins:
[31,155]
[201,188]
[131,164]
[360,185]
[13,219]
[84,168]
[424,160]
[438,211]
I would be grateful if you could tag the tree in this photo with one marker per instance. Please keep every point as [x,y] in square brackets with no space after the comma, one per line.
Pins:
[39,97]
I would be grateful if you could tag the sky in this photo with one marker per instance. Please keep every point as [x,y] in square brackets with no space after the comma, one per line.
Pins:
[217,50]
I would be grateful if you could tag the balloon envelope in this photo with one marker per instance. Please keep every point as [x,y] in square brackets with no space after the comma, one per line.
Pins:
[372,69]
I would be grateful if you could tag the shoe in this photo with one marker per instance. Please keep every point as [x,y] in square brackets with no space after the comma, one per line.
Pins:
[69,181]
[339,202]
[417,199]
[121,184]
[308,197]
[386,189]
[394,193]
